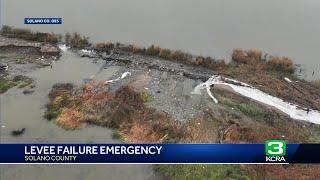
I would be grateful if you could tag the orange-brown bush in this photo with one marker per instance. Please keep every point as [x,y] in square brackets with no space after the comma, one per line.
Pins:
[71,119]
[136,49]
[239,55]
[282,63]
[153,50]
[104,46]
[178,55]
[249,56]
[254,54]
[124,110]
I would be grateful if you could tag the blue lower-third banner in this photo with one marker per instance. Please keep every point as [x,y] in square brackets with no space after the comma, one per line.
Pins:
[273,151]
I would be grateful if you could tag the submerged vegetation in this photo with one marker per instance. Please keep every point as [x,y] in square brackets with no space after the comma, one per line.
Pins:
[7,82]
[124,111]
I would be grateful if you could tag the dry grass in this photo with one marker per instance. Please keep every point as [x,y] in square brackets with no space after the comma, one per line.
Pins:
[255,54]
[286,172]
[317,83]
[239,55]
[104,46]
[153,50]
[30,35]
[177,55]
[249,56]
[137,49]
[71,119]
[123,110]
[78,41]
[165,53]
[282,64]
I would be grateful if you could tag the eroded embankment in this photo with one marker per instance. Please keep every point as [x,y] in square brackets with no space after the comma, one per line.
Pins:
[17,57]
[125,111]
[293,110]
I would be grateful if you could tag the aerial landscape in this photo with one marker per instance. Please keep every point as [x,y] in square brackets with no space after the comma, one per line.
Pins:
[65,86]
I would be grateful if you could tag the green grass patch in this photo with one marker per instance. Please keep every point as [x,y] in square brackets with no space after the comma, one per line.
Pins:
[22,81]
[247,109]
[200,171]
[6,83]
[51,112]
[146,96]
[20,59]
[116,135]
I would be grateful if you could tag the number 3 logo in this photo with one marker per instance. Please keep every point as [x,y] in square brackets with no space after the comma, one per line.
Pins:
[275,148]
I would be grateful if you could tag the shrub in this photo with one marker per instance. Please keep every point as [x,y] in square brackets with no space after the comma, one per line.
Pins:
[239,55]
[67,38]
[78,41]
[53,38]
[6,30]
[282,63]
[177,55]
[199,60]
[104,46]
[146,96]
[136,49]
[165,53]
[317,83]
[254,54]
[153,50]
[29,35]
[128,96]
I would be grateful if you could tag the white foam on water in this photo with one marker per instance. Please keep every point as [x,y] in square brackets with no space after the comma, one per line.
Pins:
[251,92]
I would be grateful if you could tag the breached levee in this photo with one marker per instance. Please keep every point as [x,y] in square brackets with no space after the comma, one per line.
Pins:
[294,111]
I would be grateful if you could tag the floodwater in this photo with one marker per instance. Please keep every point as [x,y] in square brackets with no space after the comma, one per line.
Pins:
[207,27]
[26,111]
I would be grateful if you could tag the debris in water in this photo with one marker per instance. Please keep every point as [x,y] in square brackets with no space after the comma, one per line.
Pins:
[4,67]
[18,132]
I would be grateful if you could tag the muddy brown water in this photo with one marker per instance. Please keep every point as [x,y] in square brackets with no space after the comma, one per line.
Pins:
[208,27]
[26,111]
